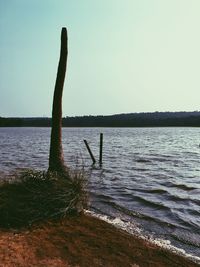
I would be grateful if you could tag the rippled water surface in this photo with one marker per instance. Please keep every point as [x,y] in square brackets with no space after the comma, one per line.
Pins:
[149,176]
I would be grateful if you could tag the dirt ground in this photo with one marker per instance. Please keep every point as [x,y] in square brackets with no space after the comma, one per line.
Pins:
[81,241]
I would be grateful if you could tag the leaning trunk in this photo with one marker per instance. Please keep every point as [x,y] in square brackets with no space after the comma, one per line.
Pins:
[56,158]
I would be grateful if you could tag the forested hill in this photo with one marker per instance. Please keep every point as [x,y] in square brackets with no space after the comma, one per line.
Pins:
[155,119]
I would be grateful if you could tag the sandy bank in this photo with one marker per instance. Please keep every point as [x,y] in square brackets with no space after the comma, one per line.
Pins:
[81,241]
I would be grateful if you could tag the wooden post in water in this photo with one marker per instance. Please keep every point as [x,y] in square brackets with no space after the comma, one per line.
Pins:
[89,150]
[101,149]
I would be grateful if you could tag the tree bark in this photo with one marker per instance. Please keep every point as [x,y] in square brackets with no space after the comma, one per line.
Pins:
[56,158]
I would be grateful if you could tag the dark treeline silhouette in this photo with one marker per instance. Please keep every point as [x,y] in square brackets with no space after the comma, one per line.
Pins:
[25,122]
[155,119]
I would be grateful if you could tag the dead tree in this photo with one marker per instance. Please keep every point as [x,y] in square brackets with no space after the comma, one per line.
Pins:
[56,158]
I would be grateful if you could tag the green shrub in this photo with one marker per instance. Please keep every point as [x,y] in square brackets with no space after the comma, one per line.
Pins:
[35,196]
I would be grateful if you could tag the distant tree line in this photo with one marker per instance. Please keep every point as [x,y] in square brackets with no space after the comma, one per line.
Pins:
[25,122]
[155,119]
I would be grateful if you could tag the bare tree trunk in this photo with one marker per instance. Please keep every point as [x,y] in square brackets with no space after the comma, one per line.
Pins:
[56,158]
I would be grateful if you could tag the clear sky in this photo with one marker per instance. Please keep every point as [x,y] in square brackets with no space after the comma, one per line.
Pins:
[124,56]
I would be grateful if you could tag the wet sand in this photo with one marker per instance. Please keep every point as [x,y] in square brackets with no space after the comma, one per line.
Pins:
[81,241]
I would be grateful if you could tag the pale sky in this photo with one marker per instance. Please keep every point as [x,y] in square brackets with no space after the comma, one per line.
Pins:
[124,56]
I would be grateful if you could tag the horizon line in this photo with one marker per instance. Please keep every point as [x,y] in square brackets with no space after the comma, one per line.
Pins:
[100,115]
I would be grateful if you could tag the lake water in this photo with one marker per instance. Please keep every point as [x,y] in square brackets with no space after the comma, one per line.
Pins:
[150,177]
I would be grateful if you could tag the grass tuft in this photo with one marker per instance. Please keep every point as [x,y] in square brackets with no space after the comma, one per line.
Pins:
[35,196]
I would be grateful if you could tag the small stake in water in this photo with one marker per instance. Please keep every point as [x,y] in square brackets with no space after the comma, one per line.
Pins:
[101,149]
[90,152]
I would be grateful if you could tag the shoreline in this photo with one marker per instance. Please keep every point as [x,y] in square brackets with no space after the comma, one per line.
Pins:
[82,241]
[135,231]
